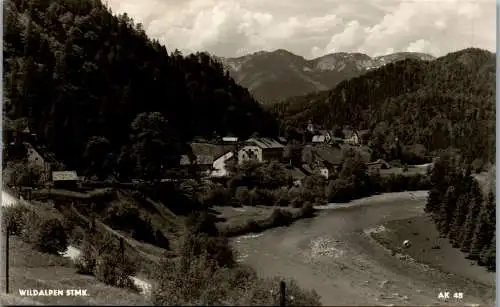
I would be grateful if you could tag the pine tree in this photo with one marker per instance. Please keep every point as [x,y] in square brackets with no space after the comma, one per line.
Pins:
[459,219]
[485,229]
[488,255]
[445,212]
[471,220]
[434,201]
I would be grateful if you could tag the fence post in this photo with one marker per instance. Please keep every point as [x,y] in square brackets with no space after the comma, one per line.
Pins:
[282,293]
[122,247]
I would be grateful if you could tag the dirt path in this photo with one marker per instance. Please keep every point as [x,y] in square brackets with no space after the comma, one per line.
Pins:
[333,255]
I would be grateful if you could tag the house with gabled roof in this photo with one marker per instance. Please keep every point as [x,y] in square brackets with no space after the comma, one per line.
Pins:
[261,150]
[42,158]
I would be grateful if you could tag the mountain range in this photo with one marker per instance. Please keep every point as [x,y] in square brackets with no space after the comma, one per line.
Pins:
[278,75]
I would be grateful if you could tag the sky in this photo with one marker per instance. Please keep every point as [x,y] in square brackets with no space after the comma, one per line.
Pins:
[312,28]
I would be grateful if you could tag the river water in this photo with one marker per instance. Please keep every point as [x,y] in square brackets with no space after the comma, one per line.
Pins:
[332,254]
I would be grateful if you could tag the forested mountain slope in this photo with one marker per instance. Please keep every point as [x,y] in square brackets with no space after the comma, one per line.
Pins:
[82,77]
[448,102]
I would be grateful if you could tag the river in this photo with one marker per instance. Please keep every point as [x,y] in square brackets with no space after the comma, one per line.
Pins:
[332,254]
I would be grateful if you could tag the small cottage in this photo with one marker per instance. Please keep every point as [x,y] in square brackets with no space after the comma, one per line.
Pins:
[65,180]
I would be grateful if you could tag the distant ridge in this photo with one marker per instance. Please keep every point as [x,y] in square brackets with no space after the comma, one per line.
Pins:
[272,76]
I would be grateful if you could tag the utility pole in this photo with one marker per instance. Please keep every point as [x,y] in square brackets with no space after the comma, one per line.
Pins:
[6,230]
[282,293]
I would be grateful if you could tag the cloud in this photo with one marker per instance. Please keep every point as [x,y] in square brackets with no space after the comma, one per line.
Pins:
[314,28]
[420,45]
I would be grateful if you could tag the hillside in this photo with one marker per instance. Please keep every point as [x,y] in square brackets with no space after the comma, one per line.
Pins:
[83,77]
[277,75]
[448,102]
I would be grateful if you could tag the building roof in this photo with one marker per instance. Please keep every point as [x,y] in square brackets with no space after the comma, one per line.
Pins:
[319,139]
[230,139]
[228,155]
[65,176]
[265,143]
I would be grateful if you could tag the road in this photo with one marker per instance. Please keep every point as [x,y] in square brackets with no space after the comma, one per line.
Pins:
[334,255]
[72,252]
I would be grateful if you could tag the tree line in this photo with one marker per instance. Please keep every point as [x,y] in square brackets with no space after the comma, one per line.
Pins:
[463,210]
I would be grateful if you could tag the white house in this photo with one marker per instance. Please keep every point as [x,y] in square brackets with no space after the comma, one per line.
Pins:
[323,171]
[219,165]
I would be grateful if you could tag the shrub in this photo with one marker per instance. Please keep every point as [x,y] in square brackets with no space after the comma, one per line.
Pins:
[122,214]
[86,261]
[282,197]
[266,292]
[77,236]
[215,248]
[114,269]
[101,257]
[216,196]
[242,195]
[340,190]
[307,210]
[183,283]
[14,218]
[49,236]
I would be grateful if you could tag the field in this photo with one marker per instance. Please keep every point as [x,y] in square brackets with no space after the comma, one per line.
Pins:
[30,269]
[429,248]
[412,170]
[231,216]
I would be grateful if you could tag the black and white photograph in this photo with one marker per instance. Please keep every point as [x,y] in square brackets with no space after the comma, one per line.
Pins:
[248,153]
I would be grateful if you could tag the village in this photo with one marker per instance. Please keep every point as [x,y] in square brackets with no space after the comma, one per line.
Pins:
[320,153]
